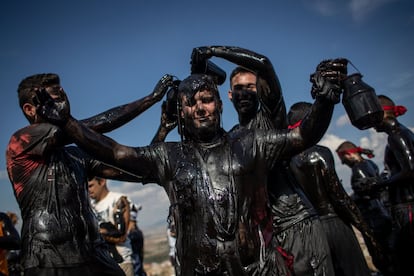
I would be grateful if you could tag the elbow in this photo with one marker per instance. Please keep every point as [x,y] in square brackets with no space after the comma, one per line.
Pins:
[308,138]
[120,153]
[267,65]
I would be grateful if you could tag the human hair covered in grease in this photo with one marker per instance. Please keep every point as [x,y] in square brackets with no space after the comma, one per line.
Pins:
[195,83]
[29,84]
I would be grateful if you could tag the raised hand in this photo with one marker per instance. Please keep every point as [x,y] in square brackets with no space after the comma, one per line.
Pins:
[162,86]
[56,109]
[199,58]
[327,79]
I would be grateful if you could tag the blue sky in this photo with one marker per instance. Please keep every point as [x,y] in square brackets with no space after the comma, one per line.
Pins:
[112,52]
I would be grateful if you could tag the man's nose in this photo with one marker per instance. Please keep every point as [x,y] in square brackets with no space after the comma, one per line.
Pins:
[200,107]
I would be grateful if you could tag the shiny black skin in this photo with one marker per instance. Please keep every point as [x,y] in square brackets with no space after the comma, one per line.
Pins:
[233,167]
[315,171]
[399,158]
[37,159]
[289,204]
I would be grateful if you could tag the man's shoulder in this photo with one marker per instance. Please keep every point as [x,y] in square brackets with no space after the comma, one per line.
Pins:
[239,131]
[116,195]
[317,151]
[406,131]
[400,133]
[35,129]
[321,148]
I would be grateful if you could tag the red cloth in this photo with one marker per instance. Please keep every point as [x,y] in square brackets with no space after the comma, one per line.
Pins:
[295,125]
[356,150]
[397,109]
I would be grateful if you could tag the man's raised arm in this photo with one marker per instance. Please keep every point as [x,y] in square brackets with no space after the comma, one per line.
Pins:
[100,146]
[118,116]
[326,90]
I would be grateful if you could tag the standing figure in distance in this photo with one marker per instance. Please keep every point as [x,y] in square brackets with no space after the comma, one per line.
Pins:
[399,159]
[113,214]
[366,185]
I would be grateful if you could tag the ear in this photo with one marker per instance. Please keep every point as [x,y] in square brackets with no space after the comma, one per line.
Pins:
[220,106]
[101,181]
[230,94]
[29,110]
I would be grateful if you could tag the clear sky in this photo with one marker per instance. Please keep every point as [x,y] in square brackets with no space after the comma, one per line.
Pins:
[109,53]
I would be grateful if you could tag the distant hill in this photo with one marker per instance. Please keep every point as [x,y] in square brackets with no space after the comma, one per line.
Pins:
[156,243]
[156,259]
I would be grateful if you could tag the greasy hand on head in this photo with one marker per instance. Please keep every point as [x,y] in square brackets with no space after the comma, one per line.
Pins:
[199,57]
[162,86]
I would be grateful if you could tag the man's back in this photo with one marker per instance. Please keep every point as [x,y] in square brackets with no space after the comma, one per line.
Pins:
[49,184]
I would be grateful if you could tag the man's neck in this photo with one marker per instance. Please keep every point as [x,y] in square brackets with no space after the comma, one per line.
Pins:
[244,120]
[102,195]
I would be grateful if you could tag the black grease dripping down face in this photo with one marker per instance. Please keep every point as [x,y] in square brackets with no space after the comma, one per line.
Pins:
[200,106]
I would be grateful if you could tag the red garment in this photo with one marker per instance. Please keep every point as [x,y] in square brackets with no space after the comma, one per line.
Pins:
[356,150]
[397,109]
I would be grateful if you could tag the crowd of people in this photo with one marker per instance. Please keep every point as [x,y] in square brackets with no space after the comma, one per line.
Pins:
[262,198]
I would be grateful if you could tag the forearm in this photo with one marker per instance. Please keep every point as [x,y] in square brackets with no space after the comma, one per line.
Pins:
[120,115]
[160,135]
[246,58]
[348,211]
[100,146]
[316,122]
[326,90]
[110,172]
[346,207]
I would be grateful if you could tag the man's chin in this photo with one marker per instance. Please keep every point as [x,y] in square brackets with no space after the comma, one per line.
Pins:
[245,109]
[205,126]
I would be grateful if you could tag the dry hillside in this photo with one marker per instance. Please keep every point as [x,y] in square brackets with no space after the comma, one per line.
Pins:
[156,261]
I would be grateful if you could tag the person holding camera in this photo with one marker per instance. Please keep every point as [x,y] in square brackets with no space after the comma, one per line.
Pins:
[113,214]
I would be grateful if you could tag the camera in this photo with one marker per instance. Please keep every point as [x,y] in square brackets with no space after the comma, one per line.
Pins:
[171,102]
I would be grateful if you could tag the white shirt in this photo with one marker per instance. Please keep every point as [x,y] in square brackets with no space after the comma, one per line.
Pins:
[104,211]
